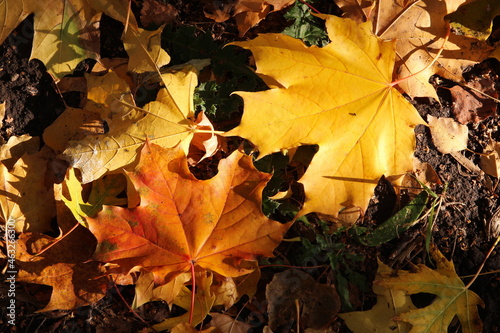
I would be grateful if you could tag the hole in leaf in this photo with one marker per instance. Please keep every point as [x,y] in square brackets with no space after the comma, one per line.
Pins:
[421,300]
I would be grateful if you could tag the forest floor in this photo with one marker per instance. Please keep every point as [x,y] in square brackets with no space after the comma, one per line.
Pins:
[469,202]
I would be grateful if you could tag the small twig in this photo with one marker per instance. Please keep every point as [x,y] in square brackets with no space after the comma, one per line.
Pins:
[128,306]
[448,31]
[310,6]
[483,263]
[57,241]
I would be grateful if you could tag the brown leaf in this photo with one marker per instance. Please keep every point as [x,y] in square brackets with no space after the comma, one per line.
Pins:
[319,303]
[155,14]
[469,105]
[65,267]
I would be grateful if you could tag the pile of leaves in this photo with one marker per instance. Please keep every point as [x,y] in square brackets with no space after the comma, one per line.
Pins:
[184,190]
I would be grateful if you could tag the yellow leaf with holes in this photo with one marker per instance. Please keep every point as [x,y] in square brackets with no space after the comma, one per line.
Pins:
[390,303]
[453,298]
[340,98]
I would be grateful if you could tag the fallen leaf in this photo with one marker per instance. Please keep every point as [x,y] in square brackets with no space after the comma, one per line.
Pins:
[26,198]
[75,281]
[418,43]
[448,135]
[469,105]
[247,13]
[362,133]
[490,161]
[156,13]
[204,301]
[390,303]
[225,291]
[65,32]
[16,147]
[146,291]
[182,221]
[227,324]
[475,19]
[452,297]
[186,328]
[319,303]
[166,121]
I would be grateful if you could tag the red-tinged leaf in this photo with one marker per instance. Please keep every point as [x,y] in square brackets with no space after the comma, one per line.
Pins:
[214,224]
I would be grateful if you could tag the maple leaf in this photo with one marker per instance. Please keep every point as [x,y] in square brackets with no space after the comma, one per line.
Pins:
[166,121]
[452,297]
[64,31]
[75,280]
[340,98]
[182,221]
[390,303]
[418,43]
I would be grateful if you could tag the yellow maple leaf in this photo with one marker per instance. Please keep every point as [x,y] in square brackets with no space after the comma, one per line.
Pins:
[453,298]
[339,97]
[390,303]
[418,43]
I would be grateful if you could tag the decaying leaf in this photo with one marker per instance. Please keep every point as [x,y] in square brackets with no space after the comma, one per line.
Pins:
[448,135]
[182,221]
[319,303]
[469,105]
[452,298]
[418,43]
[390,304]
[362,133]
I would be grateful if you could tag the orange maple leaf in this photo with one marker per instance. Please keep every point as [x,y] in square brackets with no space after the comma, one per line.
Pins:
[183,222]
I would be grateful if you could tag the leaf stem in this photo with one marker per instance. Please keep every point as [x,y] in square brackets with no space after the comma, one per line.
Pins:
[57,241]
[128,306]
[310,6]
[193,293]
[483,263]
[448,31]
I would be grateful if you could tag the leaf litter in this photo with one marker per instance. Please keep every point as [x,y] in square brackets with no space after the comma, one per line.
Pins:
[203,280]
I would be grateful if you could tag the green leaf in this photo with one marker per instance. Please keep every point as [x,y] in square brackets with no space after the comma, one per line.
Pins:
[398,223]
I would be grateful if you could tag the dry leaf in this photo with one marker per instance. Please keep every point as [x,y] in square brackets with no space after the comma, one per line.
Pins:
[448,135]
[452,298]
[166,121]
[204,301]
[362,133]
[26,197]
[145,290]
[156,13]
[247,13]
[227,324]
[417,43]
[490,162]
[472,106]
[319,303]
[183,221]
[75,280]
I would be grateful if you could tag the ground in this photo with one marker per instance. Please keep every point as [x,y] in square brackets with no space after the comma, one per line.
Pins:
[459,232]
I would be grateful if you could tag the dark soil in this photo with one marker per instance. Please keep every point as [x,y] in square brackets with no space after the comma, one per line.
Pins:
[32,103]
